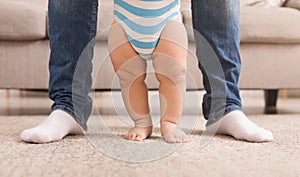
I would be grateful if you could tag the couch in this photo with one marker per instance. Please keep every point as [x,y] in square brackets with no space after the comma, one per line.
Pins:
[270,48]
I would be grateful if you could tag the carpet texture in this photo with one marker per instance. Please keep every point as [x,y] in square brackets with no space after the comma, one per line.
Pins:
[222,156]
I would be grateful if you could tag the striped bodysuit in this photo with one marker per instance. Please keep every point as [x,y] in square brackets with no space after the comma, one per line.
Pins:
[143,21]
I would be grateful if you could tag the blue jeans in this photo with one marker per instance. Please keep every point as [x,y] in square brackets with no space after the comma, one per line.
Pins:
[217,35]
[72,30]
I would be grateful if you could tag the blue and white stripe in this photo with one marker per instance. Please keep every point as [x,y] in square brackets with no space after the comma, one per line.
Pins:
[143,21]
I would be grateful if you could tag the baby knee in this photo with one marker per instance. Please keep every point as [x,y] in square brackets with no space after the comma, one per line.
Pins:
[167,67]
[133,70]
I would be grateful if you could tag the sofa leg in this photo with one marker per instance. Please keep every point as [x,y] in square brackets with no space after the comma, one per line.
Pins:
[7,94]
[270,101]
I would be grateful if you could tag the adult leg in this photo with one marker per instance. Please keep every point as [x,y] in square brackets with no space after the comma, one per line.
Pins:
[72,28]
[218,23]
[169,62]
[131,71]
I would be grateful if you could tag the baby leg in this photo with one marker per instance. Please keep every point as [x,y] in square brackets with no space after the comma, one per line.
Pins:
[169,62]
[131,71]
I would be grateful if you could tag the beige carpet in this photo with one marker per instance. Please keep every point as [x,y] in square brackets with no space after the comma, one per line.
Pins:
[222,156]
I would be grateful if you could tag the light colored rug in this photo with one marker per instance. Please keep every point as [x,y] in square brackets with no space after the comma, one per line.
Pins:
[222,156]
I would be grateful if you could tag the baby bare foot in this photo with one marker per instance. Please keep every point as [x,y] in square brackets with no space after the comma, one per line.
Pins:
[139,133]
[172,134]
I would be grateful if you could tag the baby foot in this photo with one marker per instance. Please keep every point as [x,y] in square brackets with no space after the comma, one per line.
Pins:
[172,134]
[139,133]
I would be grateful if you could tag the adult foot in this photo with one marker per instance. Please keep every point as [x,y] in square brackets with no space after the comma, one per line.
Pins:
[138,133]
[54,128]
[172,134]
[237,124]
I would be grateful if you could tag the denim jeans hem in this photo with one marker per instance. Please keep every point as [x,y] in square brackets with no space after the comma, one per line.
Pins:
[81,121]
[219,115]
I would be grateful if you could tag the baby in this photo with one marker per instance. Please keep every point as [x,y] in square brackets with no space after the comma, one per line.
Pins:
[144,30]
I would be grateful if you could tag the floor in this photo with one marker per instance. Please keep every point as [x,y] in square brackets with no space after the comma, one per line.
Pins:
[102,151]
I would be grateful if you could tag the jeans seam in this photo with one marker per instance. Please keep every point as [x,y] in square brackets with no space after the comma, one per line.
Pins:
[196,26]
[92,36]
[94,17]
[194,10]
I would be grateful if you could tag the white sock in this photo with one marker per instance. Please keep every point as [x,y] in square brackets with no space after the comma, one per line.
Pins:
[54,128]
[240,127]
